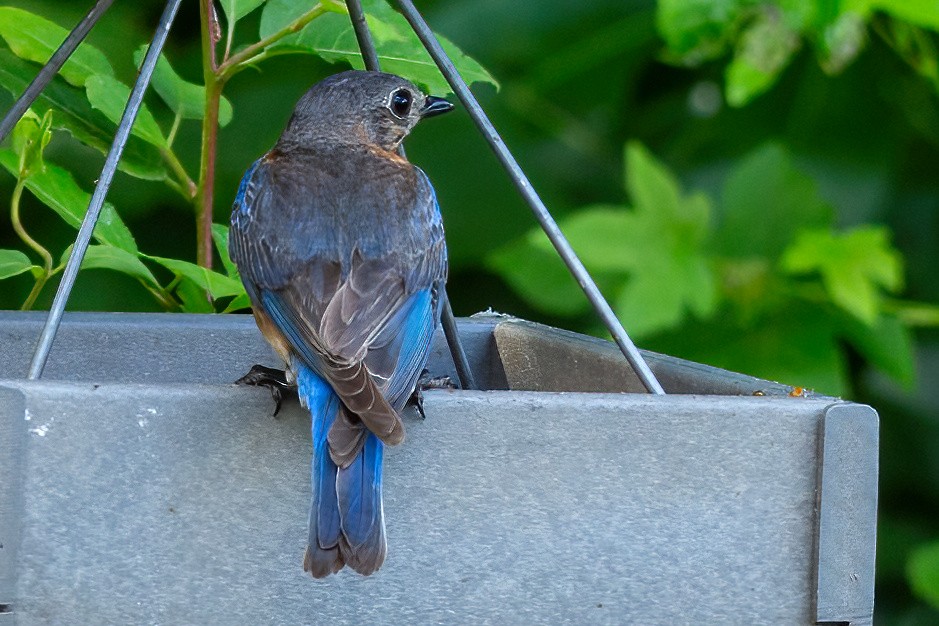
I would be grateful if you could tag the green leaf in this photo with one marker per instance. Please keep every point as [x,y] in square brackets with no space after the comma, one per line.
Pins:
[855,266]
[765,201]
[109,95]
[651,256]
[657,297]
[30,137]
[663,249]
[192,297]
[887,344]
[697,30]
[599,235]
[650,185]
[236,9]
[238,303]
[922,570]
[14,262]
[539,275]
[74,114]
[332,38]
[35,38]
[185,98]
[220,237]
[218,285]
[923,13]
[56,188]
[764,49]
[117,259]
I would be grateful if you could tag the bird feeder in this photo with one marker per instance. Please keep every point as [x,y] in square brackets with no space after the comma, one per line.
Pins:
[140,485]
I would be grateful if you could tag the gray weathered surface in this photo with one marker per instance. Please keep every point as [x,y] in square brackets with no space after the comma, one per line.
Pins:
[137,496]
[12,475]
[160,348]
[149,503]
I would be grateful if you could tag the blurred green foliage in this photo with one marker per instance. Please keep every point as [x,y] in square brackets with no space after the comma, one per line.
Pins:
[753,183]
[738,278]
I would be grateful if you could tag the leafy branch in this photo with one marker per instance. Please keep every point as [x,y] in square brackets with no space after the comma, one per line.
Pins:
[762,38]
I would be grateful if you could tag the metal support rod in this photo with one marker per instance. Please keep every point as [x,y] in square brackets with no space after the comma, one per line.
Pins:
[463,370]
[52,67]
[447,320]
[101,190]
[538,207]
[363,36]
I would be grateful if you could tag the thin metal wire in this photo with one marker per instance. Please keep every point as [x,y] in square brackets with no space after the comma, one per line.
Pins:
[363,35]
[538,207]
[370,56]
[101,190]
[52,67]
[463,370]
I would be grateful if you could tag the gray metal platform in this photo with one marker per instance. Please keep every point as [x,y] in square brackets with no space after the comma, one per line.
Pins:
[138,486]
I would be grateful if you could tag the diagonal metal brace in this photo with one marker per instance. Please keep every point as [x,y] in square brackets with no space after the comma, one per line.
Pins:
[101,189]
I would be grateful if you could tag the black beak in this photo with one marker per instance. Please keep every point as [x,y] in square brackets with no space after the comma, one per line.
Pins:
[435,106]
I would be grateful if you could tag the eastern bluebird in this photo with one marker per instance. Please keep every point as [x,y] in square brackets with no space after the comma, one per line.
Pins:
[340,245]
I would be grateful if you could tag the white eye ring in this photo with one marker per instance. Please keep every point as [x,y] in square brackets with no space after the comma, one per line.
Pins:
[400,102]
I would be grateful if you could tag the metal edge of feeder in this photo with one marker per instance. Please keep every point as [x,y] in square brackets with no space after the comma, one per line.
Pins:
[847,515]
[12,460]
[491,339]
[525,346]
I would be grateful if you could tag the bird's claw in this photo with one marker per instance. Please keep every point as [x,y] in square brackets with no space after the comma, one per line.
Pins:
[274,379]
[423,384]
[417,399]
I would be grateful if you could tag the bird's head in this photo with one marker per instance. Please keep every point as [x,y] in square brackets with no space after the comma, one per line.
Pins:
[361,107]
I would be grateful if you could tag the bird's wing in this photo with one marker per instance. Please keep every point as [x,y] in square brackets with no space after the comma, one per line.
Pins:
[362,320]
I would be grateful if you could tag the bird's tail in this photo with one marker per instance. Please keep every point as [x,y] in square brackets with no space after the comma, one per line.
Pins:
[347,524]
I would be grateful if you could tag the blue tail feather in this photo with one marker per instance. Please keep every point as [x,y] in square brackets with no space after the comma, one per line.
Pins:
[360,508]
[346,521]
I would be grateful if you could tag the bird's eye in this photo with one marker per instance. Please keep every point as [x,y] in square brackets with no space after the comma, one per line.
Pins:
[401,103]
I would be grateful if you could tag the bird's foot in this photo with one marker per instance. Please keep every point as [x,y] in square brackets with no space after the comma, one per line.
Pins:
[423,384]
[417,399]
[275,380]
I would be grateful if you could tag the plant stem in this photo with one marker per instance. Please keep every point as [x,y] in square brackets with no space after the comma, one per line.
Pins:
[914,314]
[174,129]
[215,77]
[213,92]
[166,301]
[32,243]
[239,61]
[34,293]
[210,35]
[186,185]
